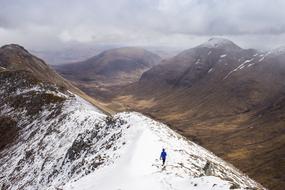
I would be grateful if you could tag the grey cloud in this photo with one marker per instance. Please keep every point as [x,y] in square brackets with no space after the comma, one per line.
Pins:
[52,23]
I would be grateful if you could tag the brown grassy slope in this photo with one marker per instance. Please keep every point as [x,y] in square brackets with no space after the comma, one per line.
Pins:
[252,141]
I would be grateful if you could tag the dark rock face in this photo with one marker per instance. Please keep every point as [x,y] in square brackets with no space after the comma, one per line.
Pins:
[87,144]
[8,131]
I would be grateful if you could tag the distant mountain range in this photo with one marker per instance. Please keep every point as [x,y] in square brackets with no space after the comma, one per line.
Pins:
[112,65]
[228,99]
[78,52]
[52,138]
[71,53]
[115,67]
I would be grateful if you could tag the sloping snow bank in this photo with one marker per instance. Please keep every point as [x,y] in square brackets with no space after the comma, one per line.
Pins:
[139,166]
[39,157]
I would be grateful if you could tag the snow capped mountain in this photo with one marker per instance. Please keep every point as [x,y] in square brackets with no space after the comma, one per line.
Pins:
[60,141]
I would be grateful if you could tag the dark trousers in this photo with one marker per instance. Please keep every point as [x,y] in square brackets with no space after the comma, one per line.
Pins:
[163,161]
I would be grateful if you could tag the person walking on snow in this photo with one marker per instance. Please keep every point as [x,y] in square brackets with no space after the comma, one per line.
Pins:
[163,156]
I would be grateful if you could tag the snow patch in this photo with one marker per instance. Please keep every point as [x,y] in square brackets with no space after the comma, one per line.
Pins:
[248,61]
[240,59]
[241,66]
[261,59]
[249,65]
[197,62]
[2,68]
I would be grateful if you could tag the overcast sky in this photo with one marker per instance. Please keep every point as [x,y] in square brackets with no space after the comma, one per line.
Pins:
[42,24]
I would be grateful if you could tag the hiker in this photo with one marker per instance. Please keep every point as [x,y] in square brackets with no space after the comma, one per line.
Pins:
[163,156]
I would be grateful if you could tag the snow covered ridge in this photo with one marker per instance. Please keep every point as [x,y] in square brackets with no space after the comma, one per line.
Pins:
[47,150]
[69,144]
[188,165]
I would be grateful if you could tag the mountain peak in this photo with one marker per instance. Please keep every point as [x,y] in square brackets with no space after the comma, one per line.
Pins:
[129,52]
[220,43]
[122,65]
[14,47]
[16,57]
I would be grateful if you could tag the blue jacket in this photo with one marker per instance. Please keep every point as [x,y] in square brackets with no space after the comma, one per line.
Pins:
[163,155]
